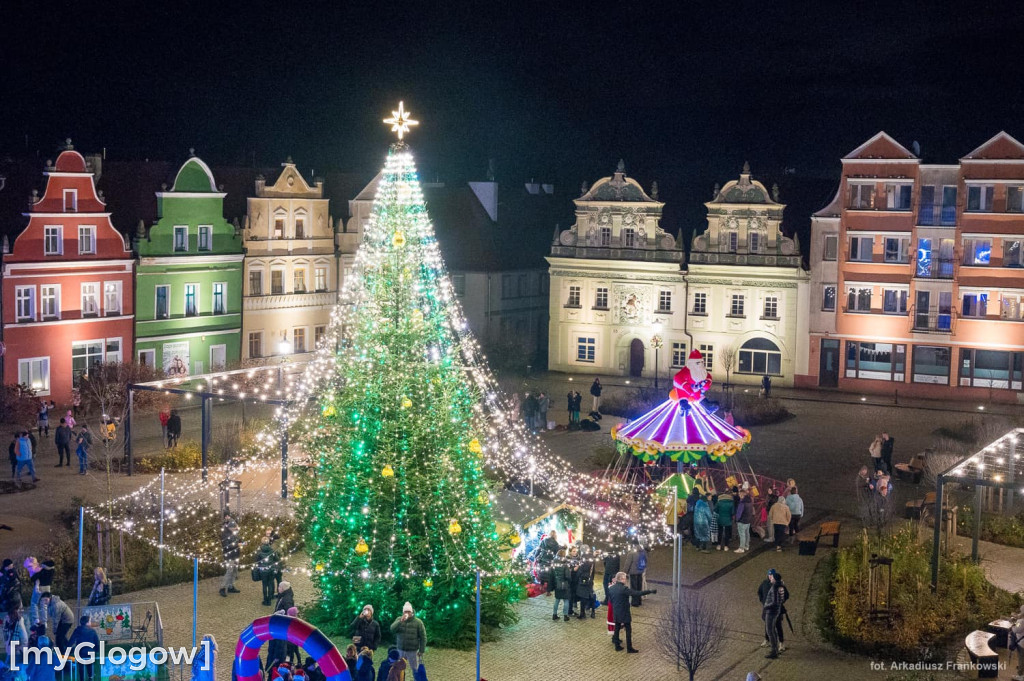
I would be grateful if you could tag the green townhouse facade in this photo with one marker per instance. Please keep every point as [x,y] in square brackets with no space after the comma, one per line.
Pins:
[189,279]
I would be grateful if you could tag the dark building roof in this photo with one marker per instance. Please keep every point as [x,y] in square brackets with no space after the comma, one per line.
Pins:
[471,242]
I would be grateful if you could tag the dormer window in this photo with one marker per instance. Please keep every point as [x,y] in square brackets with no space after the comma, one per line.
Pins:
[754,242]
[180,239]
[70,200]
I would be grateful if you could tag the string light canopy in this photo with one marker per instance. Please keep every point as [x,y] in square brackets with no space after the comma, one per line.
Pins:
[997,465]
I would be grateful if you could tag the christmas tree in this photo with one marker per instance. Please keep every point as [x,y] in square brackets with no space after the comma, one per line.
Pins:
[396,506]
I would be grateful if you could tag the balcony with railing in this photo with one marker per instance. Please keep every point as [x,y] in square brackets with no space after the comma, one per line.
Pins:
[936,215]
[936,268]
[933,319]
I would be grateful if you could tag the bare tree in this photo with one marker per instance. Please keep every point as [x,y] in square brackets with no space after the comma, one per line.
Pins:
[695,629]
[104,392]
[728,357]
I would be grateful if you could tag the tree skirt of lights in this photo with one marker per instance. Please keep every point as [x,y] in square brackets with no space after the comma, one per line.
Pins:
[686,435]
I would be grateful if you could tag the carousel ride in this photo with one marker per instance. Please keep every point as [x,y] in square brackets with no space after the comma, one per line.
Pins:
[685,442]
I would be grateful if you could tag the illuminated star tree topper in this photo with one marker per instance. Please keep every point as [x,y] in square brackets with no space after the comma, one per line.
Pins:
[400,121]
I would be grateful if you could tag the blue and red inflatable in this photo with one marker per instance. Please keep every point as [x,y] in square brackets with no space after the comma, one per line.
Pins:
[293,630]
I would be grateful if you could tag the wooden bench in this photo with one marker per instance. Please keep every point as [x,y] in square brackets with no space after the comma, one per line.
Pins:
[986,659]
[808,539]
[830,529]
[918,507]
[913,469]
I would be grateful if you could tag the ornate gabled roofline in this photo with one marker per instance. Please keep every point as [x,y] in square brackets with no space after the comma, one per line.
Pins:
[1002,134]
[202,165]
[881,134]
[744,181]
[618,181]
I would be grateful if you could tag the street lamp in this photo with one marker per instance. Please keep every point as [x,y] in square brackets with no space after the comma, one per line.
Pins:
[656,343]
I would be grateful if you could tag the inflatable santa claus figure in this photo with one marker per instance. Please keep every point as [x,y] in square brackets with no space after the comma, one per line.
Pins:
[692,381]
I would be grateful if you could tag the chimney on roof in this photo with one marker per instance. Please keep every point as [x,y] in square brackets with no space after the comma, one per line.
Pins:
[533,187]
[487,195]
[261,183]
[6,248]
[548,188]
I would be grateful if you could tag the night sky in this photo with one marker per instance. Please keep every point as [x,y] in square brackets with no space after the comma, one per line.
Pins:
[682,92]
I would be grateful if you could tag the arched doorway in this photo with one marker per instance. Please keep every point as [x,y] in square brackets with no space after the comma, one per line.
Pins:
[636,358]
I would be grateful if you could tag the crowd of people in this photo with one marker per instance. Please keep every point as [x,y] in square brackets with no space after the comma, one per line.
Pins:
[47,620]
[23,450]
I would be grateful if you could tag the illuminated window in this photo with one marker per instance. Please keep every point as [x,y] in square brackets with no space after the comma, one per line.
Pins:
[86,239]
[25,303]
[586,348]
[574,297]
[858,299]
[828,298]
[180,239]
[601,298]
[35,373]
[320,275]
[876,361]
[53,240]
[90,300]
[49,300]
[299,339]
[678,354]
[256,344]
[163,301]
[709,355]
[759,356]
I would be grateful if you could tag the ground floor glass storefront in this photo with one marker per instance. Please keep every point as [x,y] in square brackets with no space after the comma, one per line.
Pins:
[933,364]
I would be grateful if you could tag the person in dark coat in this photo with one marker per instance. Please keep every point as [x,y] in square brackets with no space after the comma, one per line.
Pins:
[10,586]
[285,597]
[364,630]
[268,563]
[887,444]
[62,438]
[595,392]
[173,429]
[83,633]
[561,575]
[573,561]
[619,594]
[313,671]
[385,666]
[762,593]
[611,566]
[584,592]
[351,659]
[364,666]
[772,610]
[546,553]
[634,565]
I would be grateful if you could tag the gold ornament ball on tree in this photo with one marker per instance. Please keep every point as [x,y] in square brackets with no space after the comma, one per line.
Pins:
[319,567]
[388,471]
[482,497]
[475,446]
[362,548]
[398,240]
[514,539]
[329,410]
[454,527]
[406,403]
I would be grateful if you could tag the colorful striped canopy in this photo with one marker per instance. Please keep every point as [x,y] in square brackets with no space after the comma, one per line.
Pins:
[666,429]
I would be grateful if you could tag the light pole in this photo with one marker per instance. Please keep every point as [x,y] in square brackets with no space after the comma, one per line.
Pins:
[656,343]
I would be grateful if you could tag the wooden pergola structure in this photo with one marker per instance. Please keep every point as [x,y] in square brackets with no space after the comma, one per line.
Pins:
[995,466]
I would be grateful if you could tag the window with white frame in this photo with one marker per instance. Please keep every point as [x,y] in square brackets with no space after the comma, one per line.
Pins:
[574,297]
[180,238]
[256,344]
[1014,199]
[708,351]
[205,238]
[147,358]
[35,373]
[49,301]
[664,300]
[828,298]
[255,282]
[586,348]
[771,307]
[894,300]
[278,228]
[731,241]
[700,303]
[678,354]
[70,200]
[90,300]
[974,305]
[320,276]
[606,236]
[111,298]
[977,251]
[300,228]
[163,301]
[1013,254]
[759,356]
[897,249]
[113,350]
[754,242]
[897,196]
[862,196]
[629,237]
[299,280]
[86,239]
[736,305]
[858,299]
[831,250]
[318,335]
[277,282]
[601,298]
[220,293]
[25,303]
[979,197]
[191,300]
[53,240]
[860,248]
[84,356]
[299,339]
